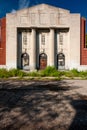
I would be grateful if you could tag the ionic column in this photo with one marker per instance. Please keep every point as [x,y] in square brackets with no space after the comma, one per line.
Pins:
[33,50]
[51,47]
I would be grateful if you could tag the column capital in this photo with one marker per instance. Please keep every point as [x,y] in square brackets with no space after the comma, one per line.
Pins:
[52,28]
[33,28]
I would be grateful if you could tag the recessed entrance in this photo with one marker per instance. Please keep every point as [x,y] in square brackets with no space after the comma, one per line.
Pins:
[61,61]
[42,61]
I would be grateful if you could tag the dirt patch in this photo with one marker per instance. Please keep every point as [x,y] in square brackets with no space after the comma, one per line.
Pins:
[42,105]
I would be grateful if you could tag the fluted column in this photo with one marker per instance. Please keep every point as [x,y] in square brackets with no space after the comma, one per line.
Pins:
[51,47]
[33,50]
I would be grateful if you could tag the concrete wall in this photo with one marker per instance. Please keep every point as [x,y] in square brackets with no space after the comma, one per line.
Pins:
[74,40]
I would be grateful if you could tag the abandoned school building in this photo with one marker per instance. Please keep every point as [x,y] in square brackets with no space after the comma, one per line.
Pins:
[41,36]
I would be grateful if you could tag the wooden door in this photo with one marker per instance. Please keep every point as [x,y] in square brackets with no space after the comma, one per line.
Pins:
[43,61]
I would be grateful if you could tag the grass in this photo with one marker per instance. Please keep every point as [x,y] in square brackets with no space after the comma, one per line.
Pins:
[48,72]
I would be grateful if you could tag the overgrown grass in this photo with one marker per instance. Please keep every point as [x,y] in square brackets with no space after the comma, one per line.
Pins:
[11,73]
[33,74]
[16,72]
[48,72]
[4,73]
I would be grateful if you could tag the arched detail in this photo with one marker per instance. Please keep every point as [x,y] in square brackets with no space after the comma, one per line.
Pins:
[42,61]
[61,61]
[24,60]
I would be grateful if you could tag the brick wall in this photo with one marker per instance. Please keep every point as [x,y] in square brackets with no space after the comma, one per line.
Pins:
[83,51]
[3,41]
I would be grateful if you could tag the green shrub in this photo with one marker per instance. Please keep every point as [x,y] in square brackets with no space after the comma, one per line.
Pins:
[68,74]
[13,72]
[75,72]
[33,74]
[4,73]
[50,71]
[72,73]
[21,74]
[83,74]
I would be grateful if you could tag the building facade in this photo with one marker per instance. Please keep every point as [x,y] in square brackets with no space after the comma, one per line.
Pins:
[41,36]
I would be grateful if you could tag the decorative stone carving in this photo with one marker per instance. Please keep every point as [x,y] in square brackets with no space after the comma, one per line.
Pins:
[43,18]
[60,39]
[24,40]
[63,18]
[58,18]
[33,18]
[52,17]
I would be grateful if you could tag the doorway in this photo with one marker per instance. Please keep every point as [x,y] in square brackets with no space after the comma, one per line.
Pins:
[24,60]
[42,61]
[61,61]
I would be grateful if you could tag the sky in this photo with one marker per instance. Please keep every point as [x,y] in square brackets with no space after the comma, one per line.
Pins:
[75,6]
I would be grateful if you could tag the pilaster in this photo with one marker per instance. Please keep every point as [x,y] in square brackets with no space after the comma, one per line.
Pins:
[51,47]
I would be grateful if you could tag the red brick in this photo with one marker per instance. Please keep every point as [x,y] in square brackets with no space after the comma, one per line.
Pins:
[83,50]
[3,42]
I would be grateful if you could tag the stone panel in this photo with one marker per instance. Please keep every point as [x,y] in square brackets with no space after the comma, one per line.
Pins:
[33,18]
[43,18]
[24,19]
[52,19]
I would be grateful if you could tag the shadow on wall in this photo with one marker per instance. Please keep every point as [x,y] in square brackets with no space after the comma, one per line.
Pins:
[40,105]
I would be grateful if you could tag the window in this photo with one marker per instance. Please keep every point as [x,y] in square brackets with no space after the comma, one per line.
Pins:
[25,38]
[61,39]
[43,39]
